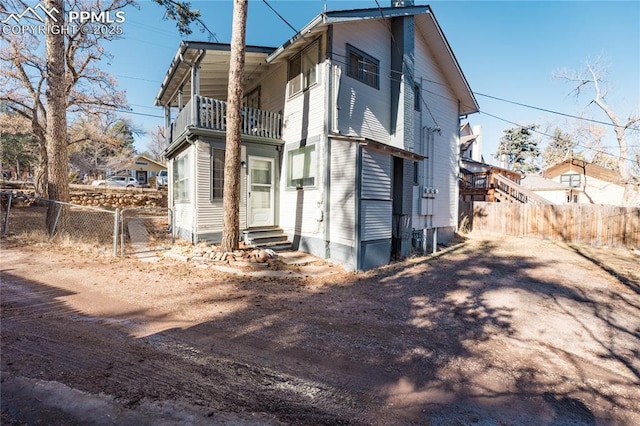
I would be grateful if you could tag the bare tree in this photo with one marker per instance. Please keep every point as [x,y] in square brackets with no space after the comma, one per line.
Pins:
[231,196]
[593,75]
[64,82]
[158,143]
[96,140]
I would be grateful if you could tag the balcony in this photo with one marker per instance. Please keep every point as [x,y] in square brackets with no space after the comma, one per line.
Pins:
[211,114]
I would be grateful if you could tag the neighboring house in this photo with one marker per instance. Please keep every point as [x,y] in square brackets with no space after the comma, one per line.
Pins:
[471,143]
[551,190]
[349,140]
[587,183]
[143,168]
[479,181]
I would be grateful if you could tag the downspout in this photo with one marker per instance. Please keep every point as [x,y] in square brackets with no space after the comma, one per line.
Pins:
[328,120]
[356,223]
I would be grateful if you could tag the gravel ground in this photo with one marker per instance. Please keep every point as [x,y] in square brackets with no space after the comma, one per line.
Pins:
[492,330]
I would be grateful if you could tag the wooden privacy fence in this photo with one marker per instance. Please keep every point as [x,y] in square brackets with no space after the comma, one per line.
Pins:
[595,225]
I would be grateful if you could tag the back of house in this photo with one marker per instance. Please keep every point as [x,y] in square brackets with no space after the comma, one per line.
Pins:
[350,136]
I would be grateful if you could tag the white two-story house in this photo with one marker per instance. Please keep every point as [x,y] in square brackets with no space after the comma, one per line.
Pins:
[350,139]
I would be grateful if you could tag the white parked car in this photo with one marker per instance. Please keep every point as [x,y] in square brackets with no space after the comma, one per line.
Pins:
[162,179]
[121,181]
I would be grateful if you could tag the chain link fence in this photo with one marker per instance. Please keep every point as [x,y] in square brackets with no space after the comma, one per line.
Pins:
[25,216]
[121,232]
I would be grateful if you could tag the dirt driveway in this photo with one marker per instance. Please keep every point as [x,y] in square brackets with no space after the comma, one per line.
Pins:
[490,331]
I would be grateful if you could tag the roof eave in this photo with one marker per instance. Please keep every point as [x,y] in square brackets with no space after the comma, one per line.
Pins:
[465,109]
[296,38]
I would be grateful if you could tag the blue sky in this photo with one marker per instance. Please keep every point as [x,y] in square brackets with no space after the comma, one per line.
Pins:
[507,49]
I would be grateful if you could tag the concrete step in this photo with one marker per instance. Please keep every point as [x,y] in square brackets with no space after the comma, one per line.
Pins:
[261,240]
[265,237]
[283,246]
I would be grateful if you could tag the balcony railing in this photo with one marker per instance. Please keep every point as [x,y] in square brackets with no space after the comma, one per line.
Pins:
[207,113]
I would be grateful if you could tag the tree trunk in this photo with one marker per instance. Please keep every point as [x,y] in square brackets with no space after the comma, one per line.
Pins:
[231,197]
[56,133]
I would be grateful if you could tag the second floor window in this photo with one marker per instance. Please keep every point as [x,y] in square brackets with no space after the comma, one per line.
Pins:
[302,68]
[417,97]
[571,180]
[363,67]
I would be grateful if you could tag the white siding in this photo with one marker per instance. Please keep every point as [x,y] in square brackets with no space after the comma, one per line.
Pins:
[342,197]
[300,210]
[363,110]
[304,113]
[210,214]
[273,88]
[184,212]
[439,103]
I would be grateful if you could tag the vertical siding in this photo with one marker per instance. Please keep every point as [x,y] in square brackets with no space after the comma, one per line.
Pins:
[439,102]
[363,110]
[342,196]
[375,204]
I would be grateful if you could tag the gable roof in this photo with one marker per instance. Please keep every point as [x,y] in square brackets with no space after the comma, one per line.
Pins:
[575,165]
[425,22]
[539,183]
[144,157]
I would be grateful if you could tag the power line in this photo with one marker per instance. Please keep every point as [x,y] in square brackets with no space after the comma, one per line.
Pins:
[295,31]
[136,113]
[550,136]
[550,111]
[138,78]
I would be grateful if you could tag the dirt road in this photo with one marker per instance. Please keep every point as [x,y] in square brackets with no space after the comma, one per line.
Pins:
[491,331]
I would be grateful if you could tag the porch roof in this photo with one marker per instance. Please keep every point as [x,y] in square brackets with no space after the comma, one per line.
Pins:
[214,71]
[391,150]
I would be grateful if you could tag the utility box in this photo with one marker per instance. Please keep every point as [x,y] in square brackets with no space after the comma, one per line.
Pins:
[426,207]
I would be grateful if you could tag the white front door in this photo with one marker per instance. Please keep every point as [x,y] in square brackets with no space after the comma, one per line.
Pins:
[261,192]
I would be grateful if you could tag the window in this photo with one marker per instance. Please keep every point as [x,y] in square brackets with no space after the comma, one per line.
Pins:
[302,68]
[301,169]
[217,173]
[181,178]
[252,99]
[363,67]
[417,97]
[571,180]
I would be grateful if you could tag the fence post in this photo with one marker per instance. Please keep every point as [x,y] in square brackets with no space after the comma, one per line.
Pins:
[122,231]
[116,216]
[5,225]
[55,222]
